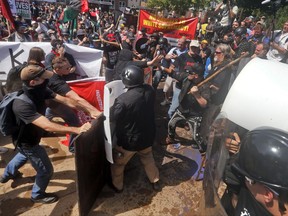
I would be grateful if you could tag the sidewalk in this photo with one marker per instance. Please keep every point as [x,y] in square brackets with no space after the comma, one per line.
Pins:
[179,196]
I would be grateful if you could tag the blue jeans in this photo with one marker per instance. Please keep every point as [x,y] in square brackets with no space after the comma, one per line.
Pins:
[175,102]
[68,115]
[157,78]
[40,162]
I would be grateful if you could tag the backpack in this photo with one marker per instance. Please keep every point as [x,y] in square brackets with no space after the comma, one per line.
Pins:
[9,123]
[14,82]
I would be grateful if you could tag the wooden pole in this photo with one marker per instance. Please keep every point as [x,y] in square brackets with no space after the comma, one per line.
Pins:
[222,69]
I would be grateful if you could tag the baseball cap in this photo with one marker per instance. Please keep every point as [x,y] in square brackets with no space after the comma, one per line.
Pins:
[154,35]
[204,42]
[194,43]
[31,72]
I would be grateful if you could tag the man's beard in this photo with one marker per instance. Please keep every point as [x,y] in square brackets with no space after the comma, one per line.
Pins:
[36,93]
[217,61]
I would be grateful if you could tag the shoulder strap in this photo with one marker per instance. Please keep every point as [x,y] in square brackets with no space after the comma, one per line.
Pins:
[23,97]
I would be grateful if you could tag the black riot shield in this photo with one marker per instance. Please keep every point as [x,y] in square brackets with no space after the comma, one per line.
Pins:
[91,165]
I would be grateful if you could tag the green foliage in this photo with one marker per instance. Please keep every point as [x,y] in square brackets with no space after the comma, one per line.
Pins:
[281,17]
[247,8]
[179,6]
[281,14]
[251,5]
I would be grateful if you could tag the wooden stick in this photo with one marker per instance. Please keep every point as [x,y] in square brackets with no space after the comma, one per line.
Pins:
[117,22]
[221,69]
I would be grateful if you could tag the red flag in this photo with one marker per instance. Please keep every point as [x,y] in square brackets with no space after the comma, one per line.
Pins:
[81,6]
[5,8]
[84,6]
[73,9]
[93,92]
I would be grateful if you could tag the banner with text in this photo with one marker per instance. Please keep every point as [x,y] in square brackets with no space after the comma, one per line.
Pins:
[23,8]
[20,7]
[88,60]
[171,27]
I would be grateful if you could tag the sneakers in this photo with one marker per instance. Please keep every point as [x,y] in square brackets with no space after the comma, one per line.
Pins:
[165,102]
[6,179]
[46,198]
[156,186]
[3,150]
[176,145]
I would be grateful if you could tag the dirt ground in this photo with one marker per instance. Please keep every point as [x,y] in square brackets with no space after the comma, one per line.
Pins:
[180,193]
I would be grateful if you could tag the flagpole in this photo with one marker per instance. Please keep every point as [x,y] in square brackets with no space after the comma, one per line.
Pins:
[138,20]
[9,30]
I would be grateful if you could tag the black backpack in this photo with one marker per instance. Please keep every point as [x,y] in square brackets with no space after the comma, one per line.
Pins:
[9,123]
[14,82]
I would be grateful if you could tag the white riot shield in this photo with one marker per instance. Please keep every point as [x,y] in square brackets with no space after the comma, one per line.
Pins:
[111,91]
[258,97]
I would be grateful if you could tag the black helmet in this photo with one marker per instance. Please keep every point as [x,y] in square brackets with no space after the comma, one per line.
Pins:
[132,76]
[196,68]
[263,157]
[163,41]
[240,31]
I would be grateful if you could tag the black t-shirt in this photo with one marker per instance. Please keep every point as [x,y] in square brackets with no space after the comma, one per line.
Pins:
[243,47]
[58,85]
[49,58]
[188,104]
[183,61]
[27,113]
[111,53]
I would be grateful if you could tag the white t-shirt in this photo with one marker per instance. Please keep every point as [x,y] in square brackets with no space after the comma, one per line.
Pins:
[282,41]
[225,21]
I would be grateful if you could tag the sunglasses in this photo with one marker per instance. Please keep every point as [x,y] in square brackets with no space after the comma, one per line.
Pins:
[218,52]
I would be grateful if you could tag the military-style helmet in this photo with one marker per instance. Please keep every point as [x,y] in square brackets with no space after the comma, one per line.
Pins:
[163,41]
[132,76]
[263,157]
[240,31]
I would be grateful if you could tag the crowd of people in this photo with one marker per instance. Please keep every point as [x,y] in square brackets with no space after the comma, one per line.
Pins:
[194,95]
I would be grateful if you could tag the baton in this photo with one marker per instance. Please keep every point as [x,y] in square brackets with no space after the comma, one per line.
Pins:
[221,70]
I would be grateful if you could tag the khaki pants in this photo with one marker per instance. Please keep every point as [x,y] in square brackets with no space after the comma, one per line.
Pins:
[120,161]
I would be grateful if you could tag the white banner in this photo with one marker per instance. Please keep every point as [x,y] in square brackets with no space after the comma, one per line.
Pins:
[88,60]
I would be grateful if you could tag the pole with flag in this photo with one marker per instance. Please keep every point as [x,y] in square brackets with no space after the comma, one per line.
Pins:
[6,12]
[74,8]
